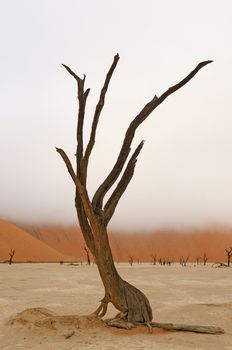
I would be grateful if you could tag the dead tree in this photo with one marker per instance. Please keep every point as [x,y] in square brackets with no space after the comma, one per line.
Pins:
[131,260]
[87,254]
[183,261]
[153,259]
[229,255]
[11,254]
[205,258]
[95,214]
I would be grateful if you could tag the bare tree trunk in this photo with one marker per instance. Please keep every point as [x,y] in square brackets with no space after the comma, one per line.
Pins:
[94,215]
[131,260]
[154,259]
[11,253]
[205,258]
[120,293]
[229,255]
[87,254]
[183,261]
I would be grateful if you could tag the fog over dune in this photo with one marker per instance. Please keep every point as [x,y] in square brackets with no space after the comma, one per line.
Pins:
[183,175]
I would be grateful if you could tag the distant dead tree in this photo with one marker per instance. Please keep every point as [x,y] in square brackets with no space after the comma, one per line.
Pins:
[183,261]
[87,254]
[11,254]
[131,260]
[94,214]
[229,255]
[198,260]
[205,258]
[153,259]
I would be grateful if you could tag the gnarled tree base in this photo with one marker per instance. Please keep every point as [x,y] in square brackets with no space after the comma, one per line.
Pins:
[135,310]
[133,304]
[121,323]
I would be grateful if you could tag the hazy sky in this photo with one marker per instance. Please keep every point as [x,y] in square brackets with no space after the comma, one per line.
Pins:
[184,173]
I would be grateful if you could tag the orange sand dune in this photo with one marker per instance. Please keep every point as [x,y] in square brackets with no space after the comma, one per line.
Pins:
[172,245]
[27,247]
[66,240]
[141,246]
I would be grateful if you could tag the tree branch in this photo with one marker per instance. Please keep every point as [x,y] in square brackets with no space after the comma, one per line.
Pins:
[125,149]
[98,110]
[80,188]
[84,224]
[82,97]
[122,185]
[81,175]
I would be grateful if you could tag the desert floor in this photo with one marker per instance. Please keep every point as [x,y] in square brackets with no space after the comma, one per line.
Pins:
[193,295]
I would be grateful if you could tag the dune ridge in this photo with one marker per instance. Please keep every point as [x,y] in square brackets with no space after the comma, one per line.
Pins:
[56,243]
[27,247]
[168,244]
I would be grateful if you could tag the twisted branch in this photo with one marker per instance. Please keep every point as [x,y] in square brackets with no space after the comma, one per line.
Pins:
[98,110]
[122,185]
[125,149]
[82,192]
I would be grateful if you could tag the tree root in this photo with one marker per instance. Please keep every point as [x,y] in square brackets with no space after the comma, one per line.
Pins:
[189,328]
[122,323]
[102,308]
[135,310]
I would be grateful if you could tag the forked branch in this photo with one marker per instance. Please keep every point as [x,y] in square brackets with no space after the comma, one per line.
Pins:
[80,188]
[122,185]
[98,110]
[125,149]
[82,97]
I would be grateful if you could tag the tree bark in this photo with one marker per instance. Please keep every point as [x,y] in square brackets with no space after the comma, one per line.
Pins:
[130,301]
[189,328]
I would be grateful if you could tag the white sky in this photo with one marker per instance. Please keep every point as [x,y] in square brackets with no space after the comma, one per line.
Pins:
[184,173]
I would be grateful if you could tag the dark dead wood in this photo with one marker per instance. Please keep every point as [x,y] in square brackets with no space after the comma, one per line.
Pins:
[229,255]
[130,301]
[154,259]
[188,328]
[125,149]
[69,334]
[205,258]
[219,264]
[112,202]
[102,308]
[98,110]
[87,254]
[80,188]
[11,254]
[121,323]
[82,97]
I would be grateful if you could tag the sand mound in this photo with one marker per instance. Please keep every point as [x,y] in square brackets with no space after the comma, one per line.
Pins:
[44,319]
[46,322]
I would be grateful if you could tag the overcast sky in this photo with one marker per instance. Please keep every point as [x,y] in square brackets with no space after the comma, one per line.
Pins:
[184,173]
